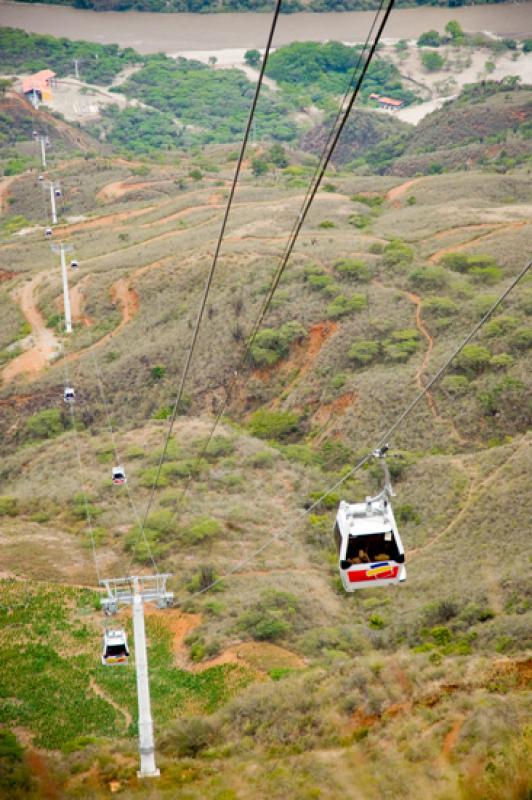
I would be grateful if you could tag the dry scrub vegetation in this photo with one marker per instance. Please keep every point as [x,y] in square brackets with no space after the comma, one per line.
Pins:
[274,684]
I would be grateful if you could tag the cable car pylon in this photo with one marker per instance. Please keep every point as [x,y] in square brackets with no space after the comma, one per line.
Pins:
[134,591]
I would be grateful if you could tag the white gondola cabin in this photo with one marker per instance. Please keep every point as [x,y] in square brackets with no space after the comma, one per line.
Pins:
[69,394]
[119,476]
[370,550]
[115,650]
[40,178]
[48,232]
[74,264]
[57,192]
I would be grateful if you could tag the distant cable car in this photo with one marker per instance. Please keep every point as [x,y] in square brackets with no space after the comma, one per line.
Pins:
[35,133]
[370,550]
[48,232]
[115,650]
[57,192]
[119,476]
[40,178]
[74,264]
[69,394]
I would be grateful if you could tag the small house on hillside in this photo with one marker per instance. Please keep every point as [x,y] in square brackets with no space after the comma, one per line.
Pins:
[390,104]
[38,87]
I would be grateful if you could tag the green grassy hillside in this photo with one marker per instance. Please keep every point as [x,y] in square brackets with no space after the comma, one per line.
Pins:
[274,683]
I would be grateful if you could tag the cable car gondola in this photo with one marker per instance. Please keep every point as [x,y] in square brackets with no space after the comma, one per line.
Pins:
[74,264]
[57,192]
[119,476]
[115,650]
[370,550]
[69,394]
[48,232]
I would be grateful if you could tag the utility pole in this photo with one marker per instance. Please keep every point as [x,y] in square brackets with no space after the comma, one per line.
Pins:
[52,203]
[76,69]
[42,140]
[62,249]
[135,591]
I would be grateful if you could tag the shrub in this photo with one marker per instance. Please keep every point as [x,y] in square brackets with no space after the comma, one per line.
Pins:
[397,253]
[500,326]
[502,361]
[402,344]
[439,306]
[277,155]
[489,275]
[430,278]
[259,167]
[508,391]
[270,345]
[45,424]
[15,775]
[188,737]
[157,372]
[271,617]
[360,221]
[455,384]
[364,351]
[521,339]
[327,223]
[407,513]
[252,58]
[342,305]
[473,358]
[273,424]
[338,381]
[353,268]
[202,528]
[432,61]
[8,506]
[429,39]
[196,174]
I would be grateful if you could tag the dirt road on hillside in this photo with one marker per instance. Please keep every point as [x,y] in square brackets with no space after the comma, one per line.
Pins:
[45,345]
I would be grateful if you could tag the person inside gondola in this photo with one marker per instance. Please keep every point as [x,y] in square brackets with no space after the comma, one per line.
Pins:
[362,558]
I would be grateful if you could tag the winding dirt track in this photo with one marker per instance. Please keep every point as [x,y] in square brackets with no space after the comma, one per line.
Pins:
[393,195]
[494,229]
[45,344]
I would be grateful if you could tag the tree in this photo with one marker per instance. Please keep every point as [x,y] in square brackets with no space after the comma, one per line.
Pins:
[259,167]
[432,61]
[252,58]
[429,39]
[527,46]
[454,29]
[277,155]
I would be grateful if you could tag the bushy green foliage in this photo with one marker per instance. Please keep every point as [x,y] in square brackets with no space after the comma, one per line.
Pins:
[482,268]
[429,39]
[8,506]
[343,305]
[455,384]
[202,528]
[429,278]
[401,344]
[499,326]
[473,359]
[24,52]
[273,424]
[138,130]
[252,58]
[214,102]
[45,424]
[397,253]
[15,775]
[272,617]
[364,351]
[440,306]
[271,345]
[521,339]
[432,61]
[318,71]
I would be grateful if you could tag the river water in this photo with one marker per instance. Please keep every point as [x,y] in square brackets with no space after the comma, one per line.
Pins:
[174,33]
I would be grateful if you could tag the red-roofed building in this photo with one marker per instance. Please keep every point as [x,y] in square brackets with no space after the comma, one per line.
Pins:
[39,85]
[390,104]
